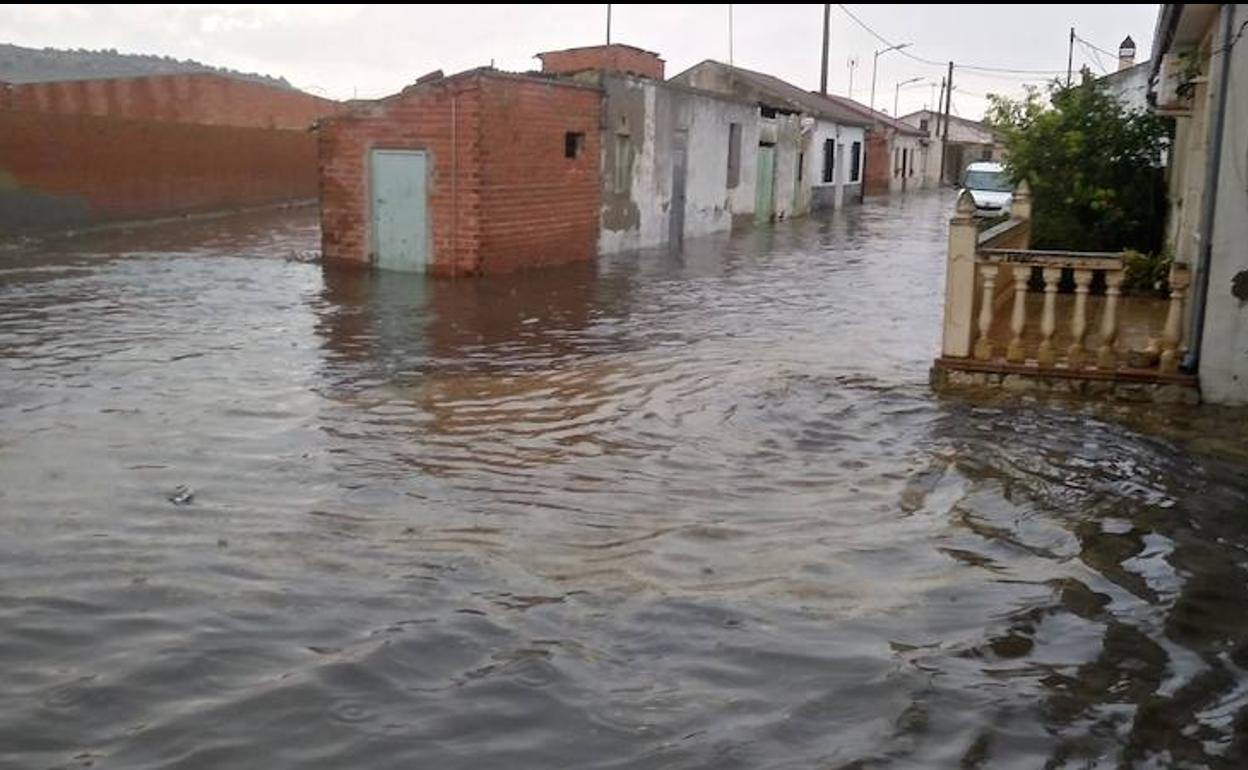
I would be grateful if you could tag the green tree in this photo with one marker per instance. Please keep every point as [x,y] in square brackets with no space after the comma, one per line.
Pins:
[1095,167]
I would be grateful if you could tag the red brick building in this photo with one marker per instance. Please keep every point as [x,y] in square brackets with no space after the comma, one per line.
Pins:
[87,151]
[508,169]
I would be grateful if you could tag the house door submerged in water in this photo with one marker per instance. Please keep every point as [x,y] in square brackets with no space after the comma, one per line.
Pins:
[400,228]
[676,216]
[764,183]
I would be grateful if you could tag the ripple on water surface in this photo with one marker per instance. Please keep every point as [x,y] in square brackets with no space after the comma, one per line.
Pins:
[693,510]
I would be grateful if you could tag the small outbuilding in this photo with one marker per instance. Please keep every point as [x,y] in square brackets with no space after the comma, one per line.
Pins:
[479,172]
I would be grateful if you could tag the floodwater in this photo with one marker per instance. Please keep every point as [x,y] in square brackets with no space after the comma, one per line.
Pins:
[695,511]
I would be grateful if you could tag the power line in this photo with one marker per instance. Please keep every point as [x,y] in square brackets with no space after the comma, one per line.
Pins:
[933,62]
[1090,44]
[1096,57]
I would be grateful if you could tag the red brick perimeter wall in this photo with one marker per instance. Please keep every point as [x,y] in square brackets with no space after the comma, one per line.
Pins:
[206,99]
[63,170]
[538,207]
[420,119]
[611,58]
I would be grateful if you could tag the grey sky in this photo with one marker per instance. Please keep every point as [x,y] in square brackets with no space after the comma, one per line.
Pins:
[370,51]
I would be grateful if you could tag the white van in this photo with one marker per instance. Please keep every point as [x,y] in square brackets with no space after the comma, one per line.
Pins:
[990,186]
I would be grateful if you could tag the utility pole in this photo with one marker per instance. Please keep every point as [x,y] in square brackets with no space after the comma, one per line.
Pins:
[608,24]
[1070,56]
[730,35]
[823,70]
[944,139]
[851,63]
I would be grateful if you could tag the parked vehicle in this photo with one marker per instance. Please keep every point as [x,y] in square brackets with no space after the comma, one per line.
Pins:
[990,187]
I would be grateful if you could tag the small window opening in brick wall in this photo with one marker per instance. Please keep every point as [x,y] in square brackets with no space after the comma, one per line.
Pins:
[573,142]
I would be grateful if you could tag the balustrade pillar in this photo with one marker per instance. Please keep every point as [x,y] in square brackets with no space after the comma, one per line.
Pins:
[1180,278]
[1047,355]
[1076,354]
[960,280]
[1107,356]
[983,345]
[1018,318]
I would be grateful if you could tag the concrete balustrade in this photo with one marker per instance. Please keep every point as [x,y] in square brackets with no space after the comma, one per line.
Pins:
[1058,333]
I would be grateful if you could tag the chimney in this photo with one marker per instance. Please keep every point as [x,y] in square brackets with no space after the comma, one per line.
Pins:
[1126,54]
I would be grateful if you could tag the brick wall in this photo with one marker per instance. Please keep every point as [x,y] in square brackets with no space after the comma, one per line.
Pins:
[510,199]
[66,170]
[538,206]
[879,165]
[613,58]
[206,99]
[418,119]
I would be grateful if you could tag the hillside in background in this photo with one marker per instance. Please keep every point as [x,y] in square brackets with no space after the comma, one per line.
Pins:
[35,65]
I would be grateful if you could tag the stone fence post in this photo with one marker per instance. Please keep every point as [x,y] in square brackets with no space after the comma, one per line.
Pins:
[960,280]
[1020,208]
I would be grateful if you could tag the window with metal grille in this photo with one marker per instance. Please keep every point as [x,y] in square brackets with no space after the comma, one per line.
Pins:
[623,164]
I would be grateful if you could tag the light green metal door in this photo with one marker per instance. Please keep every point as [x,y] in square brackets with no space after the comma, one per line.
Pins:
[764,183]
[398,180]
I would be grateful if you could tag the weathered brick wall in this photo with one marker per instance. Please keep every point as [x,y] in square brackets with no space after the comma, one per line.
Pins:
[613,58]
[538,206]
[510,199]
[206,99]
[437,118]
[879,165]
[69,170]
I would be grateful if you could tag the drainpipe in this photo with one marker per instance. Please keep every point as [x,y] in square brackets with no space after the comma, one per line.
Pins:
[1191,362]
[455,185]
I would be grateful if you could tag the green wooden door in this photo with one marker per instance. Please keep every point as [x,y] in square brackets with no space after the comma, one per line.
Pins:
[764,183]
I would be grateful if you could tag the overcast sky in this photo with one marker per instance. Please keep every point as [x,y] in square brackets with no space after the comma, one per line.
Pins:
[369,51]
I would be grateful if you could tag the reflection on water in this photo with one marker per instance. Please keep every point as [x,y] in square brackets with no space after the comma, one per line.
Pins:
[693,510]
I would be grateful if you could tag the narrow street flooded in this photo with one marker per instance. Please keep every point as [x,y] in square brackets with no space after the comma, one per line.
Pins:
[696,511]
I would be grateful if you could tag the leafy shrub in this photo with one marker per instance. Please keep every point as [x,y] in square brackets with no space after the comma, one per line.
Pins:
[1094,166]
[1146,273]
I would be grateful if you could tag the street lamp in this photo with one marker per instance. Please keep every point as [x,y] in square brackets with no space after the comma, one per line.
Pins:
[897,91]
[875,63]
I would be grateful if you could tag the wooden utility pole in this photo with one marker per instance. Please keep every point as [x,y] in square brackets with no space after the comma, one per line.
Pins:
[823,70]
[1070,56]
[944,138]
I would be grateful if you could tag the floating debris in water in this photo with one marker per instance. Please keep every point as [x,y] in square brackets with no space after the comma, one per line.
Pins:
[182,494]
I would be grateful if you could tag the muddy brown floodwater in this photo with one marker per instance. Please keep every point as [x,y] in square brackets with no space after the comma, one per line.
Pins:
[696,511]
